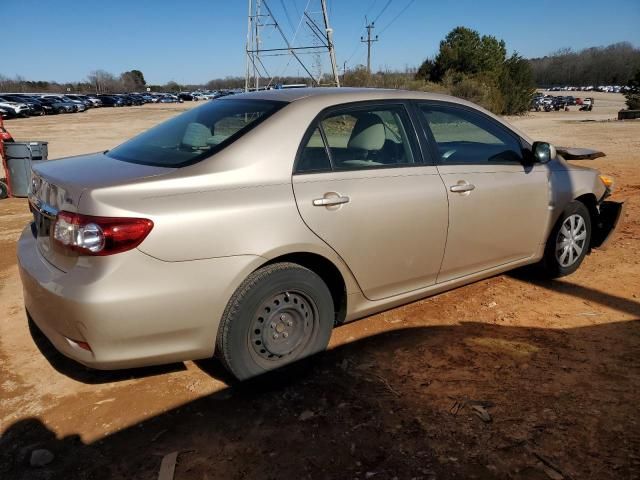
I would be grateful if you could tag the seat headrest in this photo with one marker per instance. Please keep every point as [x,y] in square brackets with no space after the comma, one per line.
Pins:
[196,135]
[368,133]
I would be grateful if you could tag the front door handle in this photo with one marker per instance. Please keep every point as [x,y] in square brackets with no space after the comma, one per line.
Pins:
[462,187]
[330,201]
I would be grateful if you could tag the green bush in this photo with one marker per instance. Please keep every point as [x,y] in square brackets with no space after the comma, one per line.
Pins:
[359,77]
[477,69]
[633,96]
[633,101]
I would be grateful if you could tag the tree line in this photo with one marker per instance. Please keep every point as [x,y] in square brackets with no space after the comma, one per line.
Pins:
[615,64]
[468,65]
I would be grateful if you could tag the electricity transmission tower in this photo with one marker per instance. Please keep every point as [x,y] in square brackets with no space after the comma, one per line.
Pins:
[369,41]
[261,17]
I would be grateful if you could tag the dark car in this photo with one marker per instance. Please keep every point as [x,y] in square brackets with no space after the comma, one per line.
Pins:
[76,105]
[6,112]
[136,100]
[559,103]
[111,101]
[185,96]
[46,109]
[126,100]
[56,106]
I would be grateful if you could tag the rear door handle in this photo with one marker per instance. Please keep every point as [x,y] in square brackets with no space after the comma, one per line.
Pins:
[329,201]
[461,188]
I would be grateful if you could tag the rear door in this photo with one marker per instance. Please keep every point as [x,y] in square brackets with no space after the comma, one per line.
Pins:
[498,207]
[362,187]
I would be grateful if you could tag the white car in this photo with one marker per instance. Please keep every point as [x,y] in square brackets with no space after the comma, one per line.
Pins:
[19,109]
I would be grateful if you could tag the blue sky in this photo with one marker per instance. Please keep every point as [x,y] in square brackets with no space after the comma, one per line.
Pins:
[193,41]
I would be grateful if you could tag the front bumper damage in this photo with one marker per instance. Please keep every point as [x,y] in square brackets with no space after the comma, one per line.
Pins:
[609,218]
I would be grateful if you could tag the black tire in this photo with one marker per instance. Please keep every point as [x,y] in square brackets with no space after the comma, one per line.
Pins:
[280,314]
[551,264]
[4,190]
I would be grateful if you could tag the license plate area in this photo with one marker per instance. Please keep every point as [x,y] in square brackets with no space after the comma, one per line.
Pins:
[42,224]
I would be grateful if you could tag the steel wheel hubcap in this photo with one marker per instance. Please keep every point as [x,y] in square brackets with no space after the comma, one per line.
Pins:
[571,240]
[282,324]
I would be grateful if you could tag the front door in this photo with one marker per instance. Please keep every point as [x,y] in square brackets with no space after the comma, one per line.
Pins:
[498,208]
[361,186]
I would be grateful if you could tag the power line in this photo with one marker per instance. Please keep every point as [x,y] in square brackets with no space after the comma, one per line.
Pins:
[382,11]
[286,12]
[373,4]
[397,16]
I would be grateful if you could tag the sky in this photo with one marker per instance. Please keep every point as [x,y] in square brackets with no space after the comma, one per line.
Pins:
[193,41]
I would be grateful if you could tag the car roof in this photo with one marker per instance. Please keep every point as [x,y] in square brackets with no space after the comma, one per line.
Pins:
[322,97]
[343,94]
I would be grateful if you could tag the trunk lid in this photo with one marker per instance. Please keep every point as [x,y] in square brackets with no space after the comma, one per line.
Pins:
[58,185]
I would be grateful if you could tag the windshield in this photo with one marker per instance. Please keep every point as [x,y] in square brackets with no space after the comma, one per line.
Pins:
[196,134]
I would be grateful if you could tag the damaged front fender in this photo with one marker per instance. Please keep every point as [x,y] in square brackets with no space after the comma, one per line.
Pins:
[609,217]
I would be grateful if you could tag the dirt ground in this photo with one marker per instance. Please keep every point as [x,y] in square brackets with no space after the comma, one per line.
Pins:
[556,365]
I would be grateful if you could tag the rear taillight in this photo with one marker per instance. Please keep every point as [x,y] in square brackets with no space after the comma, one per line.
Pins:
[89,235]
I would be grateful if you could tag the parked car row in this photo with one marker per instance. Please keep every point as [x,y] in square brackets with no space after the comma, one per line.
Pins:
[27,105]
[14,105]
[206,95]
[547,103]
[591,88]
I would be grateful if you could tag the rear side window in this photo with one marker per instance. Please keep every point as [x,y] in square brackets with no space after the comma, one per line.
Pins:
[466,137]
[314,156]
[356,139]
[196,134]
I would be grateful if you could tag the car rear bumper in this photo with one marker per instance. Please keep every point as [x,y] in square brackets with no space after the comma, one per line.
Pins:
[132,311]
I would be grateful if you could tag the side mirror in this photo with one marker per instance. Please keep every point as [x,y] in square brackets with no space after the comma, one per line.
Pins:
[543,152]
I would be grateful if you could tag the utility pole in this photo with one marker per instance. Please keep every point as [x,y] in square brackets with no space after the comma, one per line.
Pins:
[248,50]
[332,51]
[369,41]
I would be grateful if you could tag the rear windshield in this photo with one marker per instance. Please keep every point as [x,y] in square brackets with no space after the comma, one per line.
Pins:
[196,134]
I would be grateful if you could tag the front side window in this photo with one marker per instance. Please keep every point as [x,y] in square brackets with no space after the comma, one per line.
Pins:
[196,134]
[466,137]
[356,139]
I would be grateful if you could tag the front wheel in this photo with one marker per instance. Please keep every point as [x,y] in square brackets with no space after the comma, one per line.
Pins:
[281,313]
[569,241]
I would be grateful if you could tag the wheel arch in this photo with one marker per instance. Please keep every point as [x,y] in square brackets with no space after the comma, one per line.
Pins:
[327,271]
[589,200]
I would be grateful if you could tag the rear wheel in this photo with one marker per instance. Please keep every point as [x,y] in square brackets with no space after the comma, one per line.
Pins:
[569,241]
[281,313]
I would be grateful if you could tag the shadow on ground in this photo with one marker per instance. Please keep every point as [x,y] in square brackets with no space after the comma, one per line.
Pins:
[83,374]
[406,403]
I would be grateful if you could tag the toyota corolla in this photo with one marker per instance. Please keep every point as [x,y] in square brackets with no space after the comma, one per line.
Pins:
[249,227]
